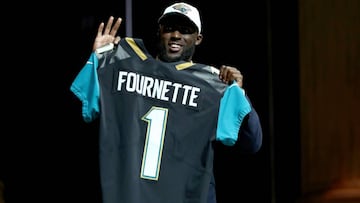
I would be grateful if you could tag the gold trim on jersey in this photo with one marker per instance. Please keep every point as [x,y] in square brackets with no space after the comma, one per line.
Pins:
[143,56]
[182,66]
[136,48]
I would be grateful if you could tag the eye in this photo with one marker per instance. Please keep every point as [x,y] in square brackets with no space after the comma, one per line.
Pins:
[186,29]
[168,28]
[182,29]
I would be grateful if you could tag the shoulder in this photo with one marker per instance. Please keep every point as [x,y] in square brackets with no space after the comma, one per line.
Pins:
[211,75]
[212,70]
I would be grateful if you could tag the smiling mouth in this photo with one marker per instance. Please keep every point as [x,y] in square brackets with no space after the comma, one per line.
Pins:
[174,47]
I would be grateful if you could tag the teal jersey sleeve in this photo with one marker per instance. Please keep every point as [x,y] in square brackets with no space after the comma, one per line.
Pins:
[233,108]
[86,88]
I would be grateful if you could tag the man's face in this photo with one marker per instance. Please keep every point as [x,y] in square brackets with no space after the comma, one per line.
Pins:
[178,38]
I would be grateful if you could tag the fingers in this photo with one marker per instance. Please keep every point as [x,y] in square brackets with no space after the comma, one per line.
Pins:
[110,29]
[239,80]
[117,40]
[107,33]
[115,28]
[108,25]
[100,29]
[228,74]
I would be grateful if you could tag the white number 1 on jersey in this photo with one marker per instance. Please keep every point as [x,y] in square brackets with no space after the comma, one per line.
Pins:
[156,119]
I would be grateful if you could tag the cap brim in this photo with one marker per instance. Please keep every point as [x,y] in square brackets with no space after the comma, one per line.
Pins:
[173,16]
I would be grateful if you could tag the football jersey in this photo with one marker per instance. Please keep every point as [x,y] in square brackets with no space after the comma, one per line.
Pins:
[157,123]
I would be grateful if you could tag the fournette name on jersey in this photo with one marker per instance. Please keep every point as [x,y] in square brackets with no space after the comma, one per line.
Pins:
[158,89]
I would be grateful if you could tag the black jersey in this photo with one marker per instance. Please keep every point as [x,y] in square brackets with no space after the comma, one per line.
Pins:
[157,124]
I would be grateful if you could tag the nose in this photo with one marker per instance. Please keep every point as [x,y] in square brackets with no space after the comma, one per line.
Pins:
[175,34]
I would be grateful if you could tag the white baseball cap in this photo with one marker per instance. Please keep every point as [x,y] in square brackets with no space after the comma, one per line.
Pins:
[185,9]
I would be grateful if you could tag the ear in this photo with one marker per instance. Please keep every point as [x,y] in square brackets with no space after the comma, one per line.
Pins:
[199,39]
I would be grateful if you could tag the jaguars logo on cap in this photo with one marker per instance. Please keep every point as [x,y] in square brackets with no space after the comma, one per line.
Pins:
[182,8]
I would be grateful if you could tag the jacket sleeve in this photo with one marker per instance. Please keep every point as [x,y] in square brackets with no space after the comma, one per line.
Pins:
[250,134]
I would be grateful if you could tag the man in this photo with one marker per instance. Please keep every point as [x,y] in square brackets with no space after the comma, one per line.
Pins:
[160,116]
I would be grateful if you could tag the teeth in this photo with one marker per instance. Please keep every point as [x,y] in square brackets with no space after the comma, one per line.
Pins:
[175,46]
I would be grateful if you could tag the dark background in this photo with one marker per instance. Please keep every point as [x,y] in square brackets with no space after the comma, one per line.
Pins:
[48,154]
